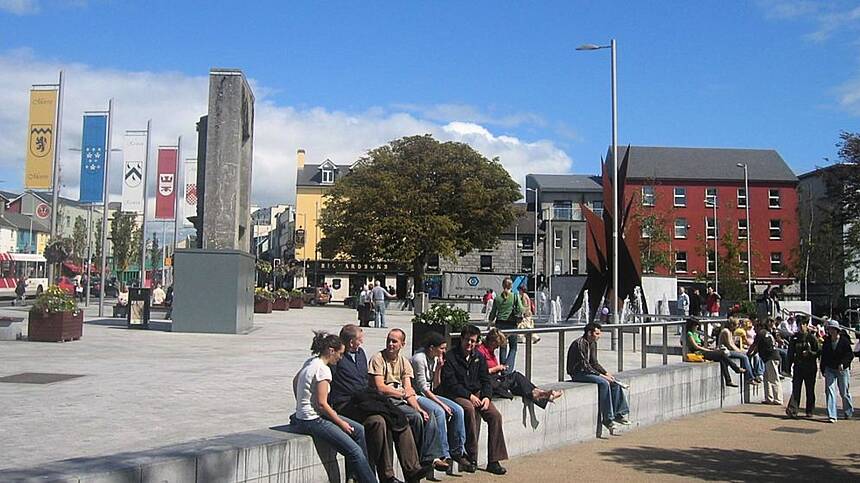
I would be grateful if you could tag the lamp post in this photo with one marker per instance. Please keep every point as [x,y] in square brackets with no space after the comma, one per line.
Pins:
[304,246]
[534,250]
[749,230]
[615,221]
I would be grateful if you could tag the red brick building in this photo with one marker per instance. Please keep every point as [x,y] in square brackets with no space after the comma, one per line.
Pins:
[687,186]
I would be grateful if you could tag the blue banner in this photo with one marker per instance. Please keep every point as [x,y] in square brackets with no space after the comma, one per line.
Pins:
[93,158]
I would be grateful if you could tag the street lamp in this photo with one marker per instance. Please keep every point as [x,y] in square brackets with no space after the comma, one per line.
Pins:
[749,230]
[615,221]
[534,249]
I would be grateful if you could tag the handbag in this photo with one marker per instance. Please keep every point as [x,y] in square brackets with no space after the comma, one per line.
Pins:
[693,357]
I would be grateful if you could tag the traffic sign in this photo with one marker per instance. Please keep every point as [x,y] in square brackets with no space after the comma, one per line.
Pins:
[43,211]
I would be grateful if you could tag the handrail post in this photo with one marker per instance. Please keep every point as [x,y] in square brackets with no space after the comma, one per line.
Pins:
[529,356]
[620,346]
[644,347]
[561,355]
[665,344]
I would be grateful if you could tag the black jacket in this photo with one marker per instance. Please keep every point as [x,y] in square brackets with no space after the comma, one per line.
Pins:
[348,378]
[842,355]
[370,402]
[803,350]
[462,377]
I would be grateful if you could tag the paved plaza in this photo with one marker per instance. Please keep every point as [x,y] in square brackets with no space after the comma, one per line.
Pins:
[147,389]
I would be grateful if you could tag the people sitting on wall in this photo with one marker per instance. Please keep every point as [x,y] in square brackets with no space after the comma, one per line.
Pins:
[158,295]
[726,341]
[694,345]
[765,346]
[391,374]
[447,415]
[583,366]
[384,424]
[509,384]
[315,417]
[466,380]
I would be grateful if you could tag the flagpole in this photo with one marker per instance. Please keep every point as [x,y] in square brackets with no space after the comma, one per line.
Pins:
[55,185]
[106,196]
[176,207]
[143,222]
[89,254]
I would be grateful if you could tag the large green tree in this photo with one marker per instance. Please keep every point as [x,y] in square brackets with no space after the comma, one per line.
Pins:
[416,197]
[122,234]
[844,189]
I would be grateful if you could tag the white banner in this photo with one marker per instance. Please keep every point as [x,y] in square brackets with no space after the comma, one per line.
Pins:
[189,200]
[134,171]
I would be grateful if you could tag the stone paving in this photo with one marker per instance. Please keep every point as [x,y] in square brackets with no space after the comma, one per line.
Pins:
[147,389]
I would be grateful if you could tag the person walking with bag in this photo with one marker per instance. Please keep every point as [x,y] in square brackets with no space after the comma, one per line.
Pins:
[506,314]
[836,357]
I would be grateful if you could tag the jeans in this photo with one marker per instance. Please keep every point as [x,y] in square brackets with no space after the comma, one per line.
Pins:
[351,447]
[757,365]
[448,438]
[610,396]
[508,355]
[745,362]
[784,367]
[832,379]
[379,306]
[424,433]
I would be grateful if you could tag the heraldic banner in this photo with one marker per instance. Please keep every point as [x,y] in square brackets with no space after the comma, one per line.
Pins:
[189,205]
[133,171]
[93,158]
[165,196]
[39,163]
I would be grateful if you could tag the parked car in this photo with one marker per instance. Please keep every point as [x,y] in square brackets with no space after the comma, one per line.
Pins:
[67,285]
[315,295]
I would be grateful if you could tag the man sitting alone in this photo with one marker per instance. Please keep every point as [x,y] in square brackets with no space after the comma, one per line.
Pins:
[582,366]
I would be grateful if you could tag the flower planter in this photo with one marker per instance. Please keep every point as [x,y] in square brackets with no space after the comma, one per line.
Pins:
[262,306]
[281,304]
[297,303]
[56,326]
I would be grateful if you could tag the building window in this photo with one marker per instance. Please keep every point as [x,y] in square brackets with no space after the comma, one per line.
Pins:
[681,262]
[646,231]
[773,198]
[562,210]
[775,262]
[710,197]
[526,266]
[574,239]
[680,228]
[743,258]
[486,263]
[680,196]
[711,228]
[742,230]
[433,263]
[775,229]
[742,198]
[528,242]
[712,262]
[597,207]
[648,196]
[574,266]
[556,241]
[556,266]
[328,176]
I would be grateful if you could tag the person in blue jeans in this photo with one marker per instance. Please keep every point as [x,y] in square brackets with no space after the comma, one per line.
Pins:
[316,418]
[446,414]
[506,313]
[836,357]
[583,366]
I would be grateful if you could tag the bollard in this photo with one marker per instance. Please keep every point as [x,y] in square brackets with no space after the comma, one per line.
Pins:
[644,347]
[620,351]
[665,344]
[561,356]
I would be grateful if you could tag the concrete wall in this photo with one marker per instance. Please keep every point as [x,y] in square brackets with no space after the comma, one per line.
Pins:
[656,394]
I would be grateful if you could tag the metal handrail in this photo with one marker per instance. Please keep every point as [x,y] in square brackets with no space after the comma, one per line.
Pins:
[821,319]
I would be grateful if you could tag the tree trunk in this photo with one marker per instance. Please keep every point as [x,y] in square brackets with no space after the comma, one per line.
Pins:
[419,265]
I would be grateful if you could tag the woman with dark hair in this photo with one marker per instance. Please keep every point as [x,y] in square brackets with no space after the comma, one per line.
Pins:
[514,382]
[315,417]
[694,345]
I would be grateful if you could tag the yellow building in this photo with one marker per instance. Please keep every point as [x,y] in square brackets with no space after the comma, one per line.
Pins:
[312,183]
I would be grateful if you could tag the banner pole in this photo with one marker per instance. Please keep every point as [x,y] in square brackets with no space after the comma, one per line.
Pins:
[143,238]
[55,174]
[106,195]
[89,272]
[176,207]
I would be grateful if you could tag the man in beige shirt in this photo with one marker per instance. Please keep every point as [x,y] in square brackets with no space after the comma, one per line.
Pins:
[391,374]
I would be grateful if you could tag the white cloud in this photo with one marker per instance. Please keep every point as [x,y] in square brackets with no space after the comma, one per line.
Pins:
[175,101]
[20,7]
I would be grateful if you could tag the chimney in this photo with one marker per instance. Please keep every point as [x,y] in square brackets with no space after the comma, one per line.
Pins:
[300,158]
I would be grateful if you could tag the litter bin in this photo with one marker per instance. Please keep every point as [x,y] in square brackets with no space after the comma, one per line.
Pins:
[138,308]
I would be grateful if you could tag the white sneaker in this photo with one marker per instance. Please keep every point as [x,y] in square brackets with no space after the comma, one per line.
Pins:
[623,420]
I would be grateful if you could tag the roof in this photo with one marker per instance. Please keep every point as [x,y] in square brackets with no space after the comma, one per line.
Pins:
[705,164]
[565,182]
[525,222]
[310,175]
[22,222]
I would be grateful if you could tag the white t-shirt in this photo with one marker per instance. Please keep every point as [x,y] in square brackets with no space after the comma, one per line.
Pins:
[313,371]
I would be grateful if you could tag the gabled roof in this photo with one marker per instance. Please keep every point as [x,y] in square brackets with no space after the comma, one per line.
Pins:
[328,164]
[567,183]
[705,164]
[311,175]
[22,222]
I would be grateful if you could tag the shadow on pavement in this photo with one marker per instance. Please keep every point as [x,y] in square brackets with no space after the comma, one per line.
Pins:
[730,465]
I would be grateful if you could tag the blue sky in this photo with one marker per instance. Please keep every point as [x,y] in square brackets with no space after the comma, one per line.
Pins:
[338,78]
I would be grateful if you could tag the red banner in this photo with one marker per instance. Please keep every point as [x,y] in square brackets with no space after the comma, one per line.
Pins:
[165,183]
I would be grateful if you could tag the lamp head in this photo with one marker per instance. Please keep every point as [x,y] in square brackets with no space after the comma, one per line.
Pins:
[588,47]
[741,165]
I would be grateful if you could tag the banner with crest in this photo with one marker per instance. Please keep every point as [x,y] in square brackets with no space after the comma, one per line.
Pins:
[165,182]
[134,171]
[93,155]
[41,129]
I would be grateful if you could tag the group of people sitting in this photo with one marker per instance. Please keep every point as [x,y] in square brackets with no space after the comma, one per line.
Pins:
[765,351]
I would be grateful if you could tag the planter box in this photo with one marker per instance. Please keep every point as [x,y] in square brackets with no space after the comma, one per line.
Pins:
[297,303]
[420,331]
[262,306]
[281,304]
[55,327]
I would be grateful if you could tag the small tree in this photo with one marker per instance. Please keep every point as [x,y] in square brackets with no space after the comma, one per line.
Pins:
[79,240]
[732,270]
[97,244]
[121,233]
[655,249]
[154,254]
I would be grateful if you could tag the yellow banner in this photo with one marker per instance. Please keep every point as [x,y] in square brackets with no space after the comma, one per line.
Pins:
[40,139]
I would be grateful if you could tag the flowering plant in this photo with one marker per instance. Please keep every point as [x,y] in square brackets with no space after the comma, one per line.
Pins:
[55,300]
[262,293]
[282,293]
[441,314]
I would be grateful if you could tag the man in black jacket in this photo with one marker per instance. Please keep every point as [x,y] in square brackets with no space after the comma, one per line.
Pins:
[803,352]
[836,357]
[466,380]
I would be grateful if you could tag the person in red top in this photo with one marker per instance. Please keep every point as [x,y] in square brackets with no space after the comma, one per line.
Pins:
[712,302]
[514,382]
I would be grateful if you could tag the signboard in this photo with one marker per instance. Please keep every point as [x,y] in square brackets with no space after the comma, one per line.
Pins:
[39,161]
[43,211]
[134,170]
[470,285]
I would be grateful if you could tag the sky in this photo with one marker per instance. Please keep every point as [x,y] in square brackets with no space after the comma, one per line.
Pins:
[339,78]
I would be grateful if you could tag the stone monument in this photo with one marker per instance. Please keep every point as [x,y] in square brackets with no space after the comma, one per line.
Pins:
[214,284]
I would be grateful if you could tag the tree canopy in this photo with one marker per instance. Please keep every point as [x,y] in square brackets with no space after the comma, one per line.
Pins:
[416,197]
[844,186]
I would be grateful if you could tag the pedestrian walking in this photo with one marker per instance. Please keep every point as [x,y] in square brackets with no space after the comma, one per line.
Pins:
[20,290]
[696,303]
[803,352]
[380,295]
[836,357]
[765,346]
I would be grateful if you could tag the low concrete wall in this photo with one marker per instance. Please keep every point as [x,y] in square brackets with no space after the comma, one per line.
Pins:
[656,394]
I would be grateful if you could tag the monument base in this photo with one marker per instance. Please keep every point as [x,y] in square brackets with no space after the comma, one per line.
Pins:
[213,291]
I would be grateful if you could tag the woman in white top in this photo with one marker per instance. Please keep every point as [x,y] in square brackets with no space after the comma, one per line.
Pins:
[316,418]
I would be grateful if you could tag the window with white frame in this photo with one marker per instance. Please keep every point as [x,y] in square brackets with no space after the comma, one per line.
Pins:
[742,198]
[646,231]
[574,239]
[712,262]
[775,262]
[648,196]
[775,229]
[773,198]
[711,228]
[680,196]
[743,258]
[710,197]
[556,242]
[681,262]
[574,266]
[597,207]
[680,228]
[743,231]
[556,266]
[327,176]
